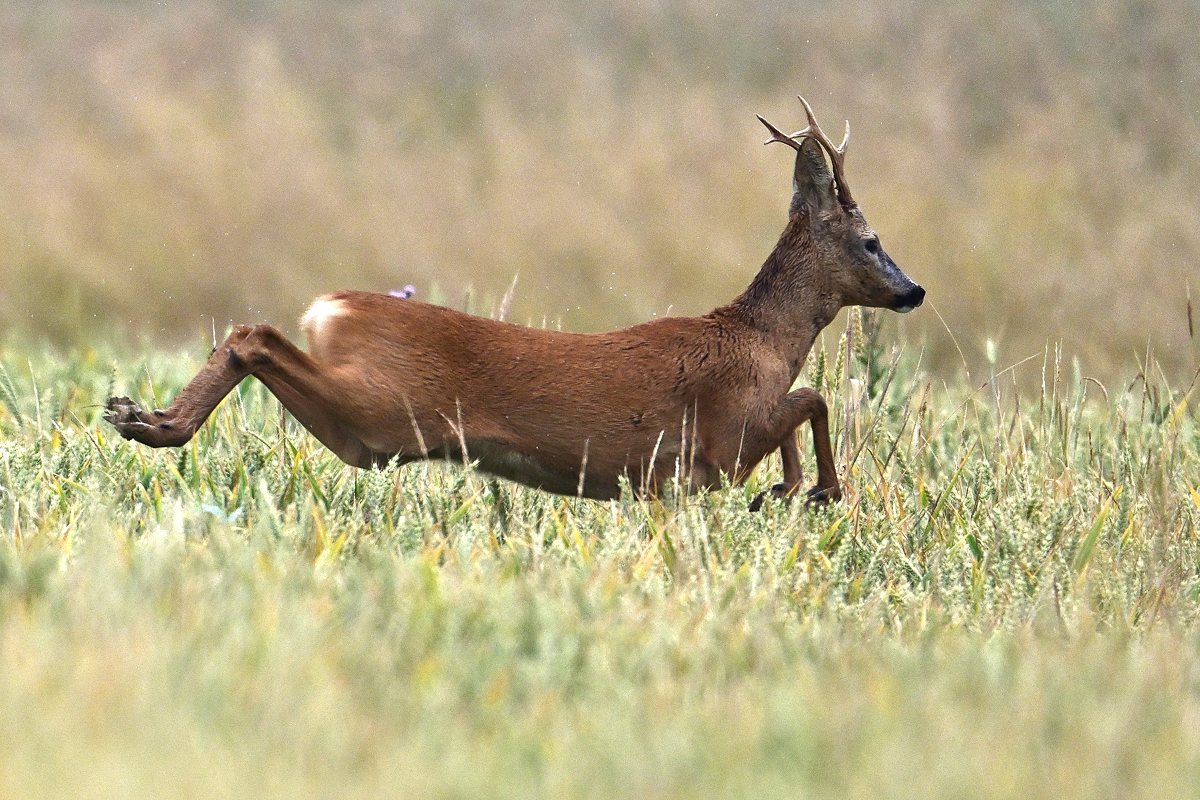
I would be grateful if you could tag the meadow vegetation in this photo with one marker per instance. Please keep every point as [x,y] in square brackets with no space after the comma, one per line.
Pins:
[1006,604]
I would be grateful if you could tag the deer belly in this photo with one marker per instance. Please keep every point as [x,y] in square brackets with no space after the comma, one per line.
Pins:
[497,459]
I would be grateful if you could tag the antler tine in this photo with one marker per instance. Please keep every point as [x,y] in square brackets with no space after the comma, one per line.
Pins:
[778,135]
[837,155]
[841,148]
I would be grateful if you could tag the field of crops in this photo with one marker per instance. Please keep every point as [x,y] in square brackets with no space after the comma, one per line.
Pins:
[1006,604]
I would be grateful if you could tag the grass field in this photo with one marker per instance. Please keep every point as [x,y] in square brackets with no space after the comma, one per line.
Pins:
[1005,605]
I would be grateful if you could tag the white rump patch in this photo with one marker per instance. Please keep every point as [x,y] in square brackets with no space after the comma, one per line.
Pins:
[319,313]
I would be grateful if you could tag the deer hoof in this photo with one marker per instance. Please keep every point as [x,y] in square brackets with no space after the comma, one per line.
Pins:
[815,497]
[823,495]
[777,492]
[126,416]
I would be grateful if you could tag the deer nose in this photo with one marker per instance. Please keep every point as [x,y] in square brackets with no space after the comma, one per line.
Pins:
[910,299]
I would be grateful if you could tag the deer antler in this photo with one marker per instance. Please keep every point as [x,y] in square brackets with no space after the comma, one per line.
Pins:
[837,154]
[779,136]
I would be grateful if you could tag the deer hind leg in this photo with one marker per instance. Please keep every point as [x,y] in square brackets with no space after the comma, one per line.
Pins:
[298,381]
[798,407]
[175,425]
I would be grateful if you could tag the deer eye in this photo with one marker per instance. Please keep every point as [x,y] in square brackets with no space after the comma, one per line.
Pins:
[872,246]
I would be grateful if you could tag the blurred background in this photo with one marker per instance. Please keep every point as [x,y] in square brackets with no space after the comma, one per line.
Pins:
[168,167]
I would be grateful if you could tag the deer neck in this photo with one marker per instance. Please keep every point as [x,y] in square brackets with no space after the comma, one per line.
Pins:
[789,301]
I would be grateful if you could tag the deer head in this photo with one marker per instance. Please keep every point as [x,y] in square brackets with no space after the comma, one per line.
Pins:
[851,263]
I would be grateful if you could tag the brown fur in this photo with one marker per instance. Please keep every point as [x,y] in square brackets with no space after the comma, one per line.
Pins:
[388,378]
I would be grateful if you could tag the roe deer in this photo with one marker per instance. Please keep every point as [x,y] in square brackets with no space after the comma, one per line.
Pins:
[394,379]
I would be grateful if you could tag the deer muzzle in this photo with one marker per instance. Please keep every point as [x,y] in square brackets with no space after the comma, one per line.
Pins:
[909,300]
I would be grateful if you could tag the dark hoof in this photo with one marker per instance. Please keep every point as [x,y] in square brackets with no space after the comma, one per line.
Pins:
[152,428]
[126,416]
[817,496]
[141,426]
[777,492]
[822,496]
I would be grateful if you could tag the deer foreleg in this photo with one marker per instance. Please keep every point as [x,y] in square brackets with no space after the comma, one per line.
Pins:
[798,407]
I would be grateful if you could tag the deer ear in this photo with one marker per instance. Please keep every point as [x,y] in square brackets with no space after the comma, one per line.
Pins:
[812,181]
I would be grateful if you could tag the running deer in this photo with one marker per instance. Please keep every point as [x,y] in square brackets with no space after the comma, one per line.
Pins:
[389,379]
